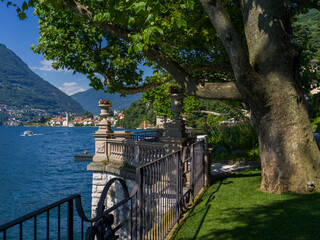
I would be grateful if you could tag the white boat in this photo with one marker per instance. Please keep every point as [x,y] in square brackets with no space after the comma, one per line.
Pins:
[28,133]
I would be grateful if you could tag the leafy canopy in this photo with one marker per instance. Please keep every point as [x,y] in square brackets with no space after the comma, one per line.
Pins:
[177,30]
[180,30]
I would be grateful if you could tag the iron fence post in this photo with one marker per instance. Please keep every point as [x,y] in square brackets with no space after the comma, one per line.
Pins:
[192,172]
[178,180]
[141,203]
[70,219]
[207,165]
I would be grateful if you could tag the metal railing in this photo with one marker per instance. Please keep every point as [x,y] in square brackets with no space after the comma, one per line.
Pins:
[155,204]
[149,135]
[69,201]
[149,212]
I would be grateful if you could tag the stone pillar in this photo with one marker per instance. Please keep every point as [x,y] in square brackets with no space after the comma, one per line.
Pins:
[102,169]
[102,135]
[175,131]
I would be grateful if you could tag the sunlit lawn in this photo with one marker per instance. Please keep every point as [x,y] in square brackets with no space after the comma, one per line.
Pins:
[234,208]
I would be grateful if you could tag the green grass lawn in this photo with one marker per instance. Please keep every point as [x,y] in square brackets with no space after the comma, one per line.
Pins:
[234,208]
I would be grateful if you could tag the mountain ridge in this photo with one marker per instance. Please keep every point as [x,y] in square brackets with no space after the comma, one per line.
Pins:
[89,100]
[21,87]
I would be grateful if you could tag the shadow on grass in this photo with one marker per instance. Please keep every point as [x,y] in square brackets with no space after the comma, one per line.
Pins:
[289,219]
[203,209]
[277,217]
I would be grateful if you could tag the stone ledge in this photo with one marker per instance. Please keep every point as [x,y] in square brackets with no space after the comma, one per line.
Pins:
[128,172]
[83,157]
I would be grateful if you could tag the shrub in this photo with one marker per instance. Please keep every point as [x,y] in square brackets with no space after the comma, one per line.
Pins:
[315,124]
[238,141]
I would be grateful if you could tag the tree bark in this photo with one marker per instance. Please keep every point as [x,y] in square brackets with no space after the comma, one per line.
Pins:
[269,82]
[289,155]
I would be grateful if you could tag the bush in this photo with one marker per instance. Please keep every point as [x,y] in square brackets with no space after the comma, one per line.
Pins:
[315,124]
[236,142]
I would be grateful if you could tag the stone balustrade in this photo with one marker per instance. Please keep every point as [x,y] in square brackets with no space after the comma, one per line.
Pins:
[134,153]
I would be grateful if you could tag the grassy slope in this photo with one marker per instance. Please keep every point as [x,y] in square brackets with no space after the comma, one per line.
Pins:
[234,208]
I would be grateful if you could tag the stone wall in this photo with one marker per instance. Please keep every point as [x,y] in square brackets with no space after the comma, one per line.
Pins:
[115,194]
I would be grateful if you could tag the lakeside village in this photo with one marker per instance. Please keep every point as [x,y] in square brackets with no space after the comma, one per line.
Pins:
[33,116]
[39,117]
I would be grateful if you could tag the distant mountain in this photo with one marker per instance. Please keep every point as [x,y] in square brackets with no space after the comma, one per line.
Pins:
[89,100]
[21,87]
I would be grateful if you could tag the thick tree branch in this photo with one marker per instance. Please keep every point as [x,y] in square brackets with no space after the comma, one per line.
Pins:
[219,91]
[243,112]
[192,86]
[228,35]
[222,68]
[143,88]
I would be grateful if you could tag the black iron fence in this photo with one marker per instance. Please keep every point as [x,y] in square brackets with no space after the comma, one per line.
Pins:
[163,187]
[149,135]
[37,224]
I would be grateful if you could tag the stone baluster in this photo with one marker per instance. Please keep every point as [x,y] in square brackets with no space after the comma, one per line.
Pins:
[102,135]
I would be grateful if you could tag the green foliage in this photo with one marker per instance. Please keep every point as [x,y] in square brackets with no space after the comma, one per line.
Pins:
[75,43]
[179,30]
[159,98]
[48,117]
[161,102]
[315,124]
[42,119]
[235,142]
[87,114]
[191,103]
[314,105]
[198,119]
[136,114]
[306,29]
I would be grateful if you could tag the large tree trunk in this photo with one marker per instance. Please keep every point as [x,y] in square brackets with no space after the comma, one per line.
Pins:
[269,82]
[289,155]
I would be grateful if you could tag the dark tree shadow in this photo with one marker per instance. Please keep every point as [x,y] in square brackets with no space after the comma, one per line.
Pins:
[296,218]
[291,219]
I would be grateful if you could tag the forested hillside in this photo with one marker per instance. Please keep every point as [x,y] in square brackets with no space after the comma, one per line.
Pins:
[307,28]
[136,114]
[21,87]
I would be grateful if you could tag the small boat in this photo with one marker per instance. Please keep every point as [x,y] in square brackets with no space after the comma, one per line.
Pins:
[28,133]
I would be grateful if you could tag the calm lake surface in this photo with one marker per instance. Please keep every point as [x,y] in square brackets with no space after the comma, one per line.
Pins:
[38,170]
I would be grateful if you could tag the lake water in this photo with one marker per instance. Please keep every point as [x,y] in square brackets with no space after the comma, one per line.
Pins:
[38,170]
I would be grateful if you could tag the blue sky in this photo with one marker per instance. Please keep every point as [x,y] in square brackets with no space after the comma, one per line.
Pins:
[19,35]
